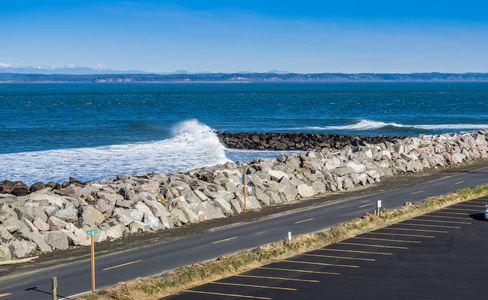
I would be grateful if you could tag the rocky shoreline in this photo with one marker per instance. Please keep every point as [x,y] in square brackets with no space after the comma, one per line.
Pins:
[43,217]
[297,140]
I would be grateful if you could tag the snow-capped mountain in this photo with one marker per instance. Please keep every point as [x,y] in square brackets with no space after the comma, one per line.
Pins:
[69,69]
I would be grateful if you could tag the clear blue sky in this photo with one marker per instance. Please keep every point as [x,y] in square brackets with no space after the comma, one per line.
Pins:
[227,36]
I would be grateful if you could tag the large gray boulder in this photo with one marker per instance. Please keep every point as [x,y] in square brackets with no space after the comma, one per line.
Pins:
[56,222]
[21,249]
[69,214]
[180,215]
[77,238]
[224,205]
[5,253]
[201,195]
[277,175]
[138,227]
[40,224]
[92,215]
[12,224]
[5,236]
[191,216]
[319,187]
[57,239]
[305,191]
[105,206]
[153,222]
[156,208]
[261,196]
[149,186]
[123,215]
[116,231]
[37,238]
[40,197]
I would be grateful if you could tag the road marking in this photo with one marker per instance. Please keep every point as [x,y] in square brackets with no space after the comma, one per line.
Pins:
[341,257]
[477,201]
[227,295]
[387,240]
[320,264]
[304,221]
[5,295]
[451,213]
[279,278]
[366,205]
[256,286]
[469,205]
[438,221]
[357,251]
[461,209]
[415,229]
[369,245]
[428,225]
[416,192]
[224,240]
[303,271]
[459,182]
[457,218]
[129,263]
[403,234]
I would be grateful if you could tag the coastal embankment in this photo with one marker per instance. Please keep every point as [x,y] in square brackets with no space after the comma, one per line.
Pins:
[297,140]
[46,217]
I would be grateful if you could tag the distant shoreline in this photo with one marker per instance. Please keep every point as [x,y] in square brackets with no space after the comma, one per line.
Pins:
[245,78]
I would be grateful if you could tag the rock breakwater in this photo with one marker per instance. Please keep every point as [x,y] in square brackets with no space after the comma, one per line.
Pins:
[297,140]
[46,217]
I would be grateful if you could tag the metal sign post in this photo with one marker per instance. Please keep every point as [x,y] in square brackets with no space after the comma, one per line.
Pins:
[451,157]
[245,181]
[378,207]
[245,192]
[92,233]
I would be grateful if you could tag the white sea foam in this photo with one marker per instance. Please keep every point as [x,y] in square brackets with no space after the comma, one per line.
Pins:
[371,125]
[452,126]
[361,125]
[193,145]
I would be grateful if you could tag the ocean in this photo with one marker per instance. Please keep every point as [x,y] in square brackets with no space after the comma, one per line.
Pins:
[52,131]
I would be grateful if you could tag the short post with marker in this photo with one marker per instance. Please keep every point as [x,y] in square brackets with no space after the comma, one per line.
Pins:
[54,287]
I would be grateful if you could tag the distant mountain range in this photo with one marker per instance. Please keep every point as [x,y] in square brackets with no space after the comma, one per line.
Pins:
[100,73]
[91,70]
[69,70]
[247,77]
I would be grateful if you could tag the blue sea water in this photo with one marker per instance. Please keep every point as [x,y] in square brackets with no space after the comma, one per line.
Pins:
[49,132]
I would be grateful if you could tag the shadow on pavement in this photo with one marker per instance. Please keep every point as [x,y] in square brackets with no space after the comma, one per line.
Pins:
[34,289]
[478,217]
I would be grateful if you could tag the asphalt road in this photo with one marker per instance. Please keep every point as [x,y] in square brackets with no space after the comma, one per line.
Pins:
[75,278]
[440,255]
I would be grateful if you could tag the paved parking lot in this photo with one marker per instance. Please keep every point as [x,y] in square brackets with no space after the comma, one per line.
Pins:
[440,255]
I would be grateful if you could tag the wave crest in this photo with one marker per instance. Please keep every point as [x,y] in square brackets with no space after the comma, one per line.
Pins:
[193,145]
[372,125]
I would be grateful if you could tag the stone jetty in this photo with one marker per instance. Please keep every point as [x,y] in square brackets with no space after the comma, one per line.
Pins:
[51,216]
[297,140]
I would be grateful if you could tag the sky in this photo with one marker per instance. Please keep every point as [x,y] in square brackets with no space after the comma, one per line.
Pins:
[230,36]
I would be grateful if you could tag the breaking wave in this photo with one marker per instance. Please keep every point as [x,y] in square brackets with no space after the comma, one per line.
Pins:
[372,125]
[192,145]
